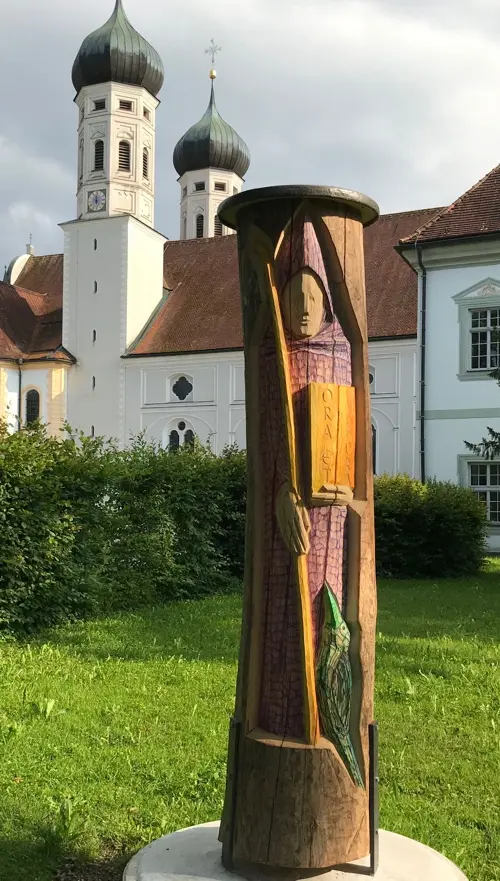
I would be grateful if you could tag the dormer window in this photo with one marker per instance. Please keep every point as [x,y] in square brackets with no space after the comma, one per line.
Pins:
[100,104]
[126,105]
[220,186]
[199,186]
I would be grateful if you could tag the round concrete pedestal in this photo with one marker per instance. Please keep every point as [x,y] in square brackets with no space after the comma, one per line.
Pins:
[195,855]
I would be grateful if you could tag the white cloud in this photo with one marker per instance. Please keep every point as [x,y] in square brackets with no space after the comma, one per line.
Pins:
[396,98]
[25,215]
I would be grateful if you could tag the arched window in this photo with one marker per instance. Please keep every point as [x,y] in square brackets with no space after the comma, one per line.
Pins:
[217,226]
[124,153]
[80,161]
[374,448]
[173,440]
[32,406]
[199,226]
[98,155]
[145,163]
[371,378]
[184,227]
[181,436]
[95,244]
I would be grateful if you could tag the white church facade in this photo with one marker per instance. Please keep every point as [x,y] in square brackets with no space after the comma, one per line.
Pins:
[129,332]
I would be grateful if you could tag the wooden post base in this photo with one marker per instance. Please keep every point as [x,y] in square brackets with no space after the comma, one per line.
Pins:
[296,805]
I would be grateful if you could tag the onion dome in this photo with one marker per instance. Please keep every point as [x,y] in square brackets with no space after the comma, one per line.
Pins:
[211,143]
[117,53]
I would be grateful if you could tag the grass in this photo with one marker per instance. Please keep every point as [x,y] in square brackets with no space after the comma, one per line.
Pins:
[113,732]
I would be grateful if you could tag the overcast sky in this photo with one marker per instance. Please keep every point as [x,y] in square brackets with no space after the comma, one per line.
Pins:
[396,98]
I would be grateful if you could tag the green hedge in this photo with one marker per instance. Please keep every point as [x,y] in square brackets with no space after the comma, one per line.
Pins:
[86,528]
[433,530]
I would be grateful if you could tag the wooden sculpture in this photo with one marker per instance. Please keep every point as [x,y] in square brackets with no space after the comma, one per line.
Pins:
[297,782]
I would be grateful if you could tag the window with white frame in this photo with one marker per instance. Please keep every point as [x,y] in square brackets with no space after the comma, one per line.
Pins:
[485,339]
[479,326]
[484,479]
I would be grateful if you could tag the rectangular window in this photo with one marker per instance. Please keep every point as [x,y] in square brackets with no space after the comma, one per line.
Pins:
[100,104]
[485,339]
[147,114]
[126,105]
[184,192]
[484,479]
[220,186]
[199,186]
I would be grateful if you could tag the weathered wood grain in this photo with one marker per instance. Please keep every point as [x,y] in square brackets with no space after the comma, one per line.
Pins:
[290,800]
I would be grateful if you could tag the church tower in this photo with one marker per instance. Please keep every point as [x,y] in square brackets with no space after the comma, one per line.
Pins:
[113,257]
[211,160]
[117,76]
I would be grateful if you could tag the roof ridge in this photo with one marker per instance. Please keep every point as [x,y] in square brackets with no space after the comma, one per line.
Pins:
[451,206]
[411,211]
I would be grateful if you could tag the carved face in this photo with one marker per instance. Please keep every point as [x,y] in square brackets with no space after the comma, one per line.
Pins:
[303,305]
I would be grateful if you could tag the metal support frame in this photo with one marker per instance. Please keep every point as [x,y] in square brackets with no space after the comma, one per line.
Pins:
[373,795]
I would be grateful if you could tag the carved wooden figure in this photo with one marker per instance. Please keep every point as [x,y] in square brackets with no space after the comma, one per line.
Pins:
[297,793]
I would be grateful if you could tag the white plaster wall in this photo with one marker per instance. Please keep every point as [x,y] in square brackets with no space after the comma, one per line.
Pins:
[128,269]
[12,399]
[216,407]
[126,191]
[206,201]
[393,363]
[444,391]
[456,410]
[144,278]
[39,380]
[445,443]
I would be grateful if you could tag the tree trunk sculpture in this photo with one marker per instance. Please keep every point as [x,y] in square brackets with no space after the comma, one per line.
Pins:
[297,784]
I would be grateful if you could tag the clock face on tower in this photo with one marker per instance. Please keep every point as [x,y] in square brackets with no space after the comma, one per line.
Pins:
[97,200]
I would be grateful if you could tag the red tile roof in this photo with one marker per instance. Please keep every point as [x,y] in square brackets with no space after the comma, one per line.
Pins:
[391,285]
[42,274]
[203,313]
[202,310]
[30,325]
[475,213]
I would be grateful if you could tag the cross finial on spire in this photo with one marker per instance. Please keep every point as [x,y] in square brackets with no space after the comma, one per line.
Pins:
[213,50]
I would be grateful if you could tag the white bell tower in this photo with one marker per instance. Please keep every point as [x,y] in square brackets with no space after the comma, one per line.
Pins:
[116,151]
[113,257]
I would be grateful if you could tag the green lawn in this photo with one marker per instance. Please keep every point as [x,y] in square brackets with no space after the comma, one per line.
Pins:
[128,716]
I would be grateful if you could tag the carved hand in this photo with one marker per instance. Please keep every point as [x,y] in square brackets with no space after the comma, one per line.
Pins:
[331,494]
[293,520]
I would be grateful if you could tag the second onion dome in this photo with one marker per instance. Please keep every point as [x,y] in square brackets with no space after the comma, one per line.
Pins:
[211,143]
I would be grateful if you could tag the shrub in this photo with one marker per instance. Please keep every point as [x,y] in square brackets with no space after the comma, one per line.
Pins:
[87,527]
[435,529]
